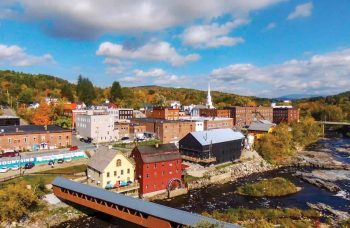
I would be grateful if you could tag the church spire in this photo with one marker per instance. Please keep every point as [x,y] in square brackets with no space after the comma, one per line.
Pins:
[209,102]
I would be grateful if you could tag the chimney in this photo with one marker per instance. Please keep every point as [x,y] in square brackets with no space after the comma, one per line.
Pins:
[156,145]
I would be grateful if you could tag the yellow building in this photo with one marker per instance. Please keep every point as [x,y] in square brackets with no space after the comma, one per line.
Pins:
[111,169]
[260,128]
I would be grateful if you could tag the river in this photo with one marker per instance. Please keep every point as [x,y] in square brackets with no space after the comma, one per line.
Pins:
[222,197]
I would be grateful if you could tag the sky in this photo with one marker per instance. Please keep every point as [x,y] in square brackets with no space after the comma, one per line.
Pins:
[265,48]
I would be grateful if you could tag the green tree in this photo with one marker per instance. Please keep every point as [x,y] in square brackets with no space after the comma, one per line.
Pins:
[116,92]
[67,92]
[85,90]
[26,96]
[63,121]
[159,100]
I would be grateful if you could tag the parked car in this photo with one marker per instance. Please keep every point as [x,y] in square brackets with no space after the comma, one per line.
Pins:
[81,139]
[60,161]
[9,154]
[73,148]
[3,170]
[51,162]
[29,165]
[125,138]
[68,160]
[88,140]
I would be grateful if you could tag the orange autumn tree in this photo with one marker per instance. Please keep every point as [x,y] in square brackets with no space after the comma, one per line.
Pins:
[42,115]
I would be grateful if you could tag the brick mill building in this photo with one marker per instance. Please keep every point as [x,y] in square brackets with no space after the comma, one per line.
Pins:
[163,113]
[244,116]
[214,112]
[158,168]
[285,114]
[34,137]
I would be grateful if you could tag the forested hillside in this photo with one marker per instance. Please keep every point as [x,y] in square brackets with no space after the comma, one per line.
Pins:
[330,108]
[22,88]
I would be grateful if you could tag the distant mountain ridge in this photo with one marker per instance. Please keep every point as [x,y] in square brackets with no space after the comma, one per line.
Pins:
[297,96]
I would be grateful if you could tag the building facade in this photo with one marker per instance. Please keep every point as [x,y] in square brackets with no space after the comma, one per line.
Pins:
[214,113]
[163,113]
[99,127]
[121,113]
[34,137]
[167,131]
[285,115]
[158,168]
[109,168]
[243,116]
[213,146]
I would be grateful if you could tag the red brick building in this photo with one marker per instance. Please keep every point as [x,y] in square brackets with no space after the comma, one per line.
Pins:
[163,113]
[285,115]
[214,112]
[244,116]
[158,168]
[34,137]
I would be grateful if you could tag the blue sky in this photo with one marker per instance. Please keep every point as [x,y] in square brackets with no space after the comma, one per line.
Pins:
[254,47]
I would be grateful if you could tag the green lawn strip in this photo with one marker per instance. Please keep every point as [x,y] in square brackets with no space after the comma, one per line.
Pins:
[66,170]
[271,187]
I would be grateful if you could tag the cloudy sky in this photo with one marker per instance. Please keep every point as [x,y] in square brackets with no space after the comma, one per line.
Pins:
[254,47]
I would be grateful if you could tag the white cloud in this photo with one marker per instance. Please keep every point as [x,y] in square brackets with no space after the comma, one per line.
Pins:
[152,51]
[16,56]
[270,26]
[325,74]
[156,76]
[303,10]
[91,18]
[212,35]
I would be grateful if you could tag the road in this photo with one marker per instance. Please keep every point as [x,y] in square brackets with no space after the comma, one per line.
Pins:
[11,112]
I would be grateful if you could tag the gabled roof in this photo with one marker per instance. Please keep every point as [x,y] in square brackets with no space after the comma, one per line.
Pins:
[103,156]
[261,126]
[164,152]
[216,136]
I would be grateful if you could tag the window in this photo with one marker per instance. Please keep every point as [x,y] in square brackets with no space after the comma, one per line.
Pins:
[59,137]
[10,140]
[147,166]
[107,174]
[128,171]
[115,173]
[119,162]
[155,165]
[147,175]
[25,139]
[146,186]
[108,182]
[162,173]
[122,172]
[170,172]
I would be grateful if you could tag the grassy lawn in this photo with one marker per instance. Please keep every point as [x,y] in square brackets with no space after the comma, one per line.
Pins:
[189,178]
[218,167]
[271,187]
[40,179]
[66,170]
[132,144]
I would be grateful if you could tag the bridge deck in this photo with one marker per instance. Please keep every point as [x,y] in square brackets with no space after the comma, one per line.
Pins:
[153,209]
[334,123]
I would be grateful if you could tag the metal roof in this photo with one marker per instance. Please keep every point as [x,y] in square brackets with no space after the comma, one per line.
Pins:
[164,152]
[157,210]
[260,126]
[216,136]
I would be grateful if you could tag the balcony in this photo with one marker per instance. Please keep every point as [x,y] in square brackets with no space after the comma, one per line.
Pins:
[198,160]
[129,189]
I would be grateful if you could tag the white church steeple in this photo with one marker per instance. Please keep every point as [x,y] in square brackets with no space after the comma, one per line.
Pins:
[209,102]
